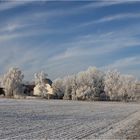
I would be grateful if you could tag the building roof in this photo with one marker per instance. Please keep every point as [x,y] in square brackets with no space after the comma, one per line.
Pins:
[48,81]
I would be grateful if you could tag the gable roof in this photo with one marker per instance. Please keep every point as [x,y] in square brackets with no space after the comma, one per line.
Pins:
[48,81]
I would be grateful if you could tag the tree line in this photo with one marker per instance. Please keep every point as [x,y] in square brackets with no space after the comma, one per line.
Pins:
[92,84]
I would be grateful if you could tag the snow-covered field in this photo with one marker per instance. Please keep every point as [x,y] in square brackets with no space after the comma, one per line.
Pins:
[59,119]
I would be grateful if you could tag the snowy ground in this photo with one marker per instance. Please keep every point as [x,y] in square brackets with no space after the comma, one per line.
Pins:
[57,119]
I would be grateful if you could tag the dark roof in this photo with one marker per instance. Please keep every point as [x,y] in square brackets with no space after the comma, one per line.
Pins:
[48,81]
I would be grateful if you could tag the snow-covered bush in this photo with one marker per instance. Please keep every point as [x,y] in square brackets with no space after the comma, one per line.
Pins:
[12,82]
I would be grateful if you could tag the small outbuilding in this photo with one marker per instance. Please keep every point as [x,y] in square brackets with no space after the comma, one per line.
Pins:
[44,89]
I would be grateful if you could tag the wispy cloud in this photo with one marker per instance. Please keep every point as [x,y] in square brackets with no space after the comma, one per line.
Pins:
[11,27]
[104,3]
[14,34]
[99,44]
[30,18]
[78,9]
[36,15]
[129,65]
[29,59]
[6,5]
[125,62]
[37,38]
[122,16]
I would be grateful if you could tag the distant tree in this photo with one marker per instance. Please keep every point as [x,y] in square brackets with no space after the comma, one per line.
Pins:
[112,84]
[67,81]
[119,87]
[12,82]
[74,87]
[96,83]
[40,77]
[42,88]
[128,87]
[83,83]
[58,88]
[86,85]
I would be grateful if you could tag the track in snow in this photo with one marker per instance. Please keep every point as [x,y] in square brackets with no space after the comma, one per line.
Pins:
[58,119]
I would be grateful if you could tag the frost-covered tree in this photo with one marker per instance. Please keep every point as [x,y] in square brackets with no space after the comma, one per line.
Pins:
[90,84]
[128,87]
[58,88]
[83,84]
[68,87]
[40,77]
[112,84]
[96,82]
[86,85]
[74,87]
[119,87]
[12,82]
[41,87]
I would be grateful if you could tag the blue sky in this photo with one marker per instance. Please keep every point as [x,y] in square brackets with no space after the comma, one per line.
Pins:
[66,37]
